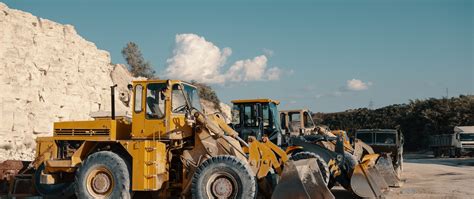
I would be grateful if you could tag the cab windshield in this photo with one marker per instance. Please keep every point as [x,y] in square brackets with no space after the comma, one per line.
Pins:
[193,96]
[366,137]
[385,138]
[308,120]
[467,136]
[378,137]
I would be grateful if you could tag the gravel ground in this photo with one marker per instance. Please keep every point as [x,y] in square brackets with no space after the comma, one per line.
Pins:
[427,177]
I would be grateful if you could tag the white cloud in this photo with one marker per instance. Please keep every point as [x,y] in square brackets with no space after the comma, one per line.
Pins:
[248,70]
[357,85]
[194,58]
[274,73]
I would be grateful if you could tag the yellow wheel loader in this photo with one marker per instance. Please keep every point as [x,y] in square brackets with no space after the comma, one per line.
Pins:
[260,118]
[167,149]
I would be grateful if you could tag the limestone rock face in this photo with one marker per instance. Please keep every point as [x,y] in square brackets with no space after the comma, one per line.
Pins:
[49,73]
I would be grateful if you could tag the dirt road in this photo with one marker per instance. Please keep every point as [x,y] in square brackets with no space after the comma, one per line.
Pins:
[427,177]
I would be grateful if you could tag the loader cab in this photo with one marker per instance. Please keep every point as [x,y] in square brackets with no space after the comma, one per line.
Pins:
[160,109]
[258,118]
[297,122]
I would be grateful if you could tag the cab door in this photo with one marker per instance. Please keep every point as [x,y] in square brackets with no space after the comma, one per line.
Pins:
[149,118]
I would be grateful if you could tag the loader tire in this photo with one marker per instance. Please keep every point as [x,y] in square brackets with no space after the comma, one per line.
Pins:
[103,174]
[323,166]
[52,191]
[223,176]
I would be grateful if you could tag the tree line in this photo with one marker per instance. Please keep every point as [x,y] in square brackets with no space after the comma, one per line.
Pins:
[418,119]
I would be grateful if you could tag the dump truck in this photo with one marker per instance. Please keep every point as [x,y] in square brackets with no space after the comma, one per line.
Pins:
[167,149]
[460,143]
[260,118]
[386,141]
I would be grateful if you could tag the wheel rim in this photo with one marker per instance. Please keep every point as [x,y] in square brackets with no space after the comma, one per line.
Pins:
[100,182]
[222,185]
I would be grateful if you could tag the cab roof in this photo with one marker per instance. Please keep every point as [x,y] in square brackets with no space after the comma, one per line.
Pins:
[243,101]
[172,81]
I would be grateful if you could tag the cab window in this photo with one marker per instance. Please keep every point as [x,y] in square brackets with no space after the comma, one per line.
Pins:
[138,98]
[178,103]
[250,116]
[236,115]
[308,122]
[267,122]
[295,121]
[282,120]
[366,137]
[155,101]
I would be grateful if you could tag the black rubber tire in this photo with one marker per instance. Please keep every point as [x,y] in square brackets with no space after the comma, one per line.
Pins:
[323,166]
[458,153]
[452,153]
[118,167]
[226,165]
[435,153]
[62,190]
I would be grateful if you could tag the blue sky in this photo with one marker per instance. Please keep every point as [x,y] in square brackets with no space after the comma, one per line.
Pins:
[398,50]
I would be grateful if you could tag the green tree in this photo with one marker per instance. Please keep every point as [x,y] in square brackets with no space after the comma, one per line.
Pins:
[136,63]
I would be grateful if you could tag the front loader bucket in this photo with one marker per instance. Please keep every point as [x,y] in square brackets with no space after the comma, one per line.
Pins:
[367,182]
[301,179]
[385,167]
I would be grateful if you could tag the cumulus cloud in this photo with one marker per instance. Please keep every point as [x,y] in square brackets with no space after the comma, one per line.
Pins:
[357,85]
[351,85]
[248,70]
[195,58]
[274,73]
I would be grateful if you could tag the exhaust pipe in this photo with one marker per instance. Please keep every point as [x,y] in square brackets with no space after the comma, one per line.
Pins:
[112,99]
